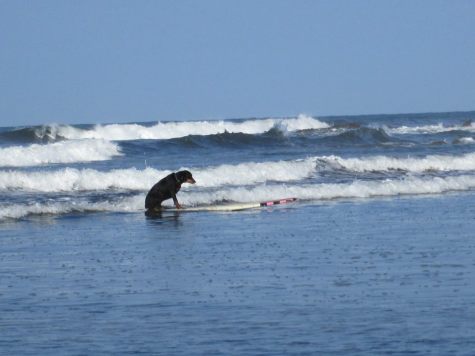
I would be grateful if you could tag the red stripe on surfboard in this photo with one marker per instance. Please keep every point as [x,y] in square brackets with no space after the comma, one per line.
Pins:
[276,202]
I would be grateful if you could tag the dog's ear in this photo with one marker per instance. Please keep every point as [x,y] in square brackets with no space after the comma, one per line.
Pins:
[184,175]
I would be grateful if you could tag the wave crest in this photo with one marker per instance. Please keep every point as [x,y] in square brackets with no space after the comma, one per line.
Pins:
[169,130]
[356,189]
[72,179]
[429,129]
[243,174]
[58,152]
[416,165]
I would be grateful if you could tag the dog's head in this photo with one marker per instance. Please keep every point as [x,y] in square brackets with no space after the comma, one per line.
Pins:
[185,177]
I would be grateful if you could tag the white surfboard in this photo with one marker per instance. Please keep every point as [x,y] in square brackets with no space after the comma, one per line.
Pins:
[236,206]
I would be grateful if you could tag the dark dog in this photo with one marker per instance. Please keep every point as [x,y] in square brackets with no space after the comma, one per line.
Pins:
[167,188]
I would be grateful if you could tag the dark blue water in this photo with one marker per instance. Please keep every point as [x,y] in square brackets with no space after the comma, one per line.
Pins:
[376,257]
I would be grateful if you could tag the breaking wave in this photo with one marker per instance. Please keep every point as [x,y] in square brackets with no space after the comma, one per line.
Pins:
[464,141]
[439,163]
[44,133]
[429,129]
[356,189]
[169,130]
[58,152]
[65,206]
[73,179]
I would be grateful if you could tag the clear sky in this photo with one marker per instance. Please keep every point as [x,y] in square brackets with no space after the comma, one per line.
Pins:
[120,61]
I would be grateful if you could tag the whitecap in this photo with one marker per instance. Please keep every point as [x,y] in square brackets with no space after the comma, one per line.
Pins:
[73,179]
[169,130]
[58,152]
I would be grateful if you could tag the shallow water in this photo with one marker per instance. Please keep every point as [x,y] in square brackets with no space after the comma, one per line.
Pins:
[352,277]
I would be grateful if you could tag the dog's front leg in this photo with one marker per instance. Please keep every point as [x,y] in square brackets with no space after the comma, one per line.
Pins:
[175,200]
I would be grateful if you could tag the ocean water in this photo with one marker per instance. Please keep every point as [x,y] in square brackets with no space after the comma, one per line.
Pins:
[377,256]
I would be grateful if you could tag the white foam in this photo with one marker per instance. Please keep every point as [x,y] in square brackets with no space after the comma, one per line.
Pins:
[58,152]
[251,173]
[302,122]
[312,192]
[356,189]
[465,140]
[16,211]
[72,179]
[384,163]
[168,130]
[428,129]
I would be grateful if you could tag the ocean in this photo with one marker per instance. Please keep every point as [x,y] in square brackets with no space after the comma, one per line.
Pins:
[377,255]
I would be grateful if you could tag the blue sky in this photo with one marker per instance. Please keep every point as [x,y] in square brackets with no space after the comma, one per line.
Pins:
[122,61]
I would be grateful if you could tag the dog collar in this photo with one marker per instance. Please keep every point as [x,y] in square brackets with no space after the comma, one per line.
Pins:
[176,178]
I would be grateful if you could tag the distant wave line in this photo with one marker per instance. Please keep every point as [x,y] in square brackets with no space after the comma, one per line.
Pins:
[169,130]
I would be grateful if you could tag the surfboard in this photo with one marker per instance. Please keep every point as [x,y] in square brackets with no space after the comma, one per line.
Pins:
[236,206]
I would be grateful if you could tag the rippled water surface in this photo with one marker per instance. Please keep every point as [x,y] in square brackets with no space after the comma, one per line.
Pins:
[353,277]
